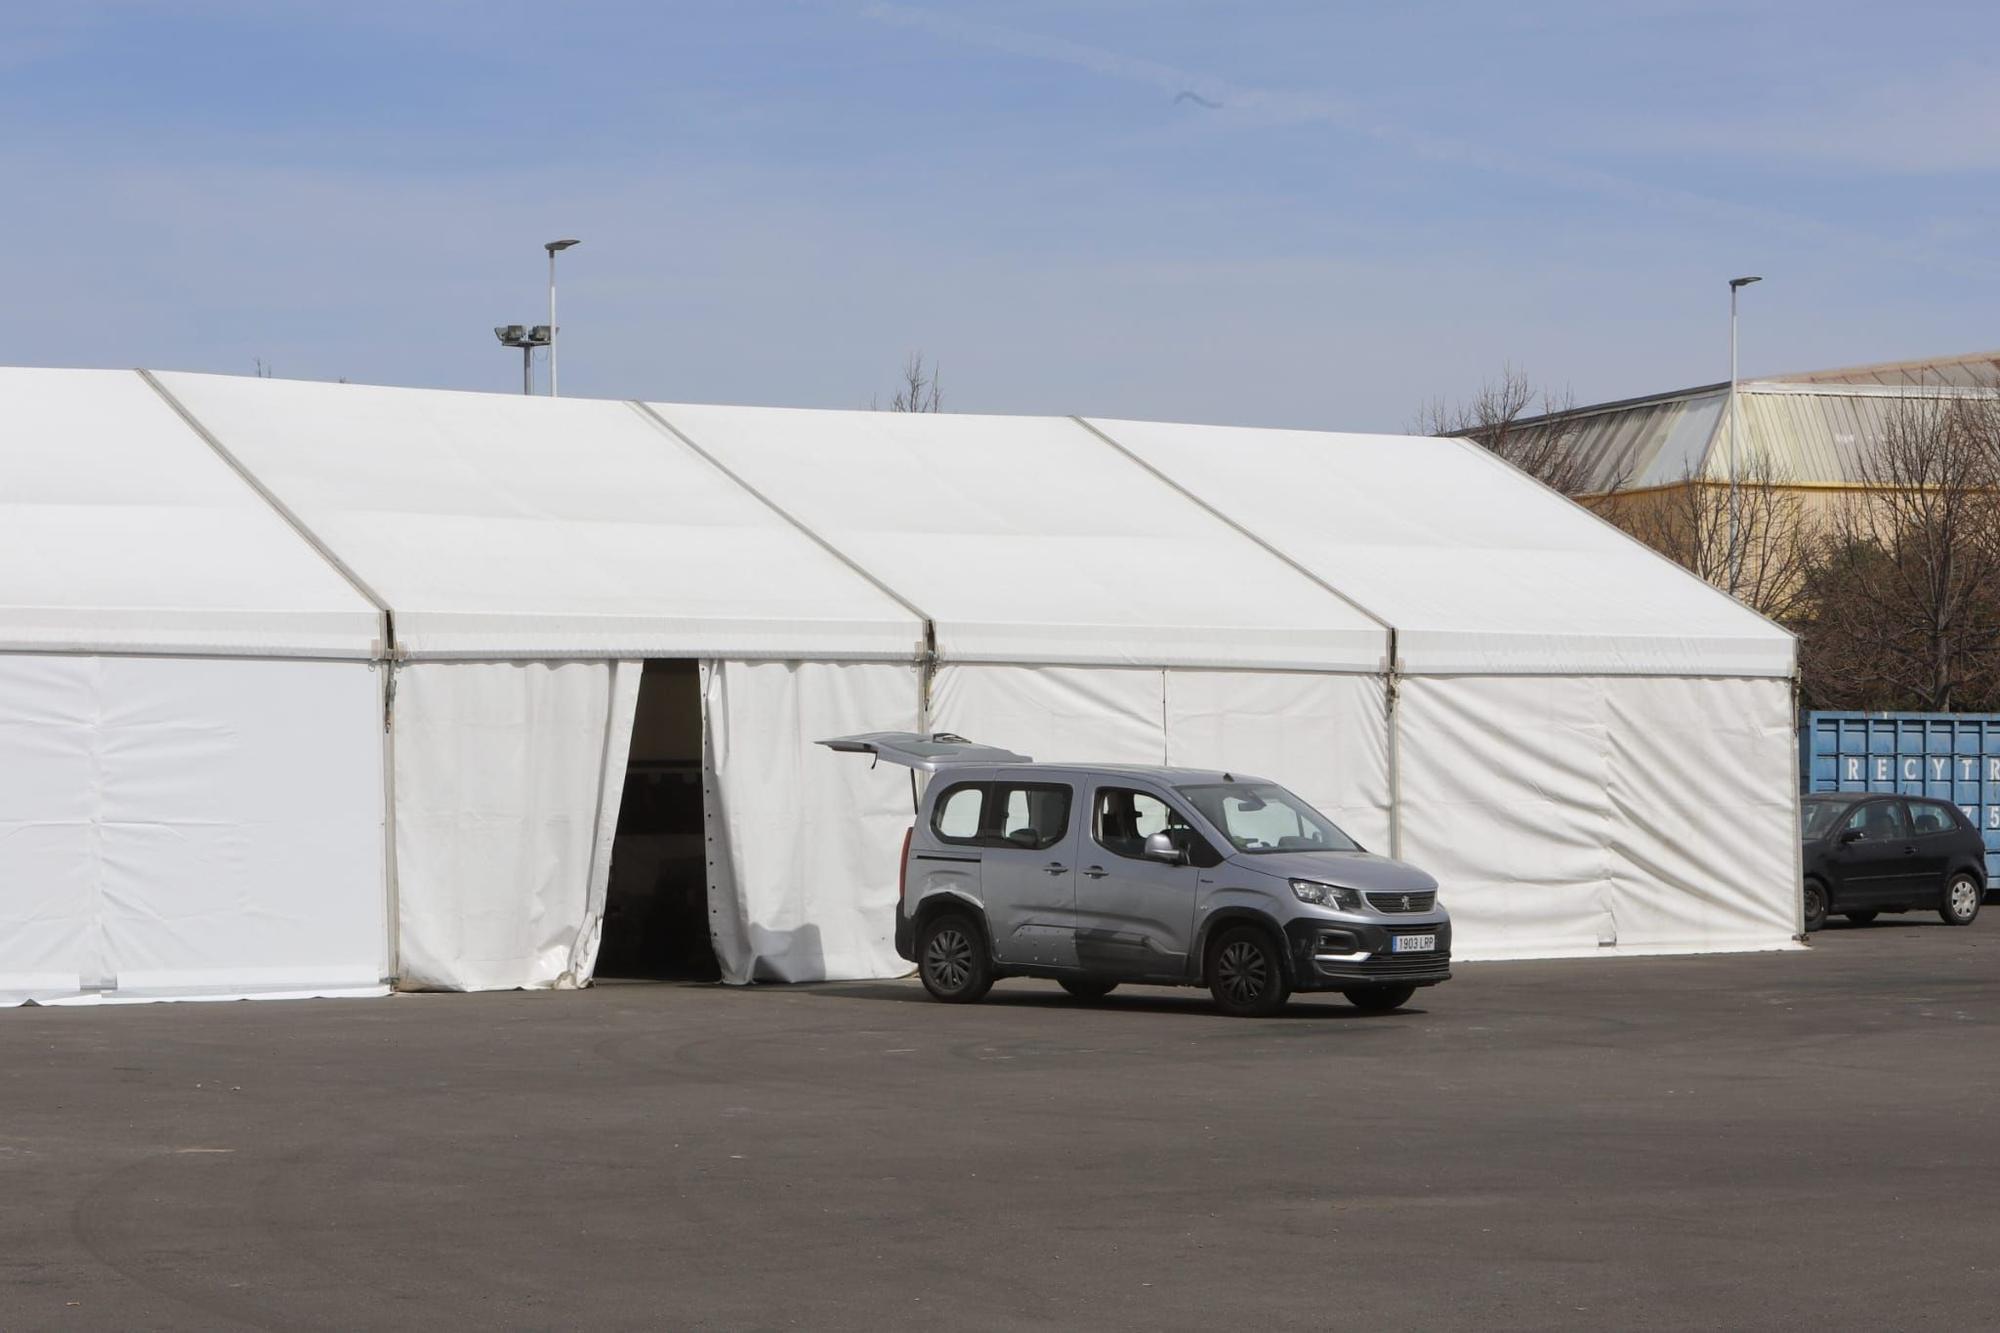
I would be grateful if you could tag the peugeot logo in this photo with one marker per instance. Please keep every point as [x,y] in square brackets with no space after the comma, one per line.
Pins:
[1406,902]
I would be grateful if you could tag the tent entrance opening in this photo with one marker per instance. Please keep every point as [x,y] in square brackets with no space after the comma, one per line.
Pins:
[656,904]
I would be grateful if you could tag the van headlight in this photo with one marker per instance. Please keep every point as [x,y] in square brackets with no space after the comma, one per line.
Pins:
[1327,895]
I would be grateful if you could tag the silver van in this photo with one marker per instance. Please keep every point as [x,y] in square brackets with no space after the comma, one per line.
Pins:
[1095,874]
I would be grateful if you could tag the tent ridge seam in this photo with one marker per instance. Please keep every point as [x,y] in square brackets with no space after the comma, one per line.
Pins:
[284,511]
[659,419]
[1236,527]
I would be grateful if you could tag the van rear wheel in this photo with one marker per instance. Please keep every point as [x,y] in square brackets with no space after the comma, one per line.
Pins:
[951,959]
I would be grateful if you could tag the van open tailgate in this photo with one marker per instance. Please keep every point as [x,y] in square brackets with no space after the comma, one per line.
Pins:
[925,753]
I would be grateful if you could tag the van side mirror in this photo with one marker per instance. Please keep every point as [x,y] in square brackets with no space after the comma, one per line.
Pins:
[1850,835]
[1162,847]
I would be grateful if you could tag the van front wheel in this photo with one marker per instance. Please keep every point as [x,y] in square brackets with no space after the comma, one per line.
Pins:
[1246,974]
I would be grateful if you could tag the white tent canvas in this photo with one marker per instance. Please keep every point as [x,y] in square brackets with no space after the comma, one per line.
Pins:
[414,624]
[1550,671]
[190,754]
[122,531]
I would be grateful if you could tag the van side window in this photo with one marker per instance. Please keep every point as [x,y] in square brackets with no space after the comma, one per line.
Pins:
[958,813]
[1032,814]
[1928,818]
[1124,819]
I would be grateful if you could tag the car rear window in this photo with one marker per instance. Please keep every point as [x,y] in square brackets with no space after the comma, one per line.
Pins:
[1928,818]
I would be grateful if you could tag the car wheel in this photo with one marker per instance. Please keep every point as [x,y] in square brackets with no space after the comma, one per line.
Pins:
[1379,999]
[1859,918]
[1961,901]
[1815,904]
[1083,988]
[952,960]
[1246,974]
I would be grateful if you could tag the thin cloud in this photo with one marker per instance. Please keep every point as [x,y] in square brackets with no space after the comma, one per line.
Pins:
[1941,123]
[1249,108]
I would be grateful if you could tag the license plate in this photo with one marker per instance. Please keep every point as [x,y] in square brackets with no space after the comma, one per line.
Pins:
[1414,944]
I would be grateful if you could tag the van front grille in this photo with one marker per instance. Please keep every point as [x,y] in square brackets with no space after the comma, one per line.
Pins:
[1403,902]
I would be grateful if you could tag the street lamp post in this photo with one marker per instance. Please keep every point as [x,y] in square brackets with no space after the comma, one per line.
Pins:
[1735,559]
[552,247]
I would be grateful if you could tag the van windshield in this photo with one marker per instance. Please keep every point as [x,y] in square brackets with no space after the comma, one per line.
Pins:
[1264,817]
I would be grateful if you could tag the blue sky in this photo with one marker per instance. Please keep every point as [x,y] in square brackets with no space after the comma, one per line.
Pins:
[779,200]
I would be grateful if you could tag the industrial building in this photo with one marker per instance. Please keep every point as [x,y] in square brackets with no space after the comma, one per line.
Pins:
[313,689]
[1808,431]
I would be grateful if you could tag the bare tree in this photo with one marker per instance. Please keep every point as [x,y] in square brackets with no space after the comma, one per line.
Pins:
[919,391]
[1906,608]
[1537,431]
[1778,535]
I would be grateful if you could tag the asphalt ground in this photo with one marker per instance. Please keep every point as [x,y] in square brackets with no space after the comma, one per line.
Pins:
[1774,1140]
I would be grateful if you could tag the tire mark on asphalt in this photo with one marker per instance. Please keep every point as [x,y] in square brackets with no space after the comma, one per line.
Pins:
[108,1224]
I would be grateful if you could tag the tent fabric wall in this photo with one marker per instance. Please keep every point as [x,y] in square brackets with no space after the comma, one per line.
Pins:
[1569,815]
[1704,777]
[625,680]
[803,842]
[1323,735]
[1057,714]
[500,794]
[189,828]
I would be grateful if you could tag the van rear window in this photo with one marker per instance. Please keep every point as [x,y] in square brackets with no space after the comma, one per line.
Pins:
[960,812]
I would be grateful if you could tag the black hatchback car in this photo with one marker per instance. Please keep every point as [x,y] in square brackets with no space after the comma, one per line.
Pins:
[1869,852]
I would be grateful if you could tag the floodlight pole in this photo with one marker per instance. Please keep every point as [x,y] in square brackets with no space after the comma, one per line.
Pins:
[1735,560]
[553,247]
[527,339]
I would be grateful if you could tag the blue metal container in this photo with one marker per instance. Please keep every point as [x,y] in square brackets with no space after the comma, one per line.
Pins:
[1951,756]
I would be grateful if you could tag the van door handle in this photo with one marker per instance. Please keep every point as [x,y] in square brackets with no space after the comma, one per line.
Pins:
[1054,868]
[1096,872]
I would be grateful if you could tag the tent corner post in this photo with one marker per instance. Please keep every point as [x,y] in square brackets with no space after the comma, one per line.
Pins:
[1392,718]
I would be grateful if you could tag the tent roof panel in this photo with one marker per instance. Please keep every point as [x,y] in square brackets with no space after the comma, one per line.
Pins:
[122,531]
[1028,539]
[500,525]
[1478,567]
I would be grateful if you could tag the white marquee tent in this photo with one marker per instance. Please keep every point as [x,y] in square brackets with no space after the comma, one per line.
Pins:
[319,689]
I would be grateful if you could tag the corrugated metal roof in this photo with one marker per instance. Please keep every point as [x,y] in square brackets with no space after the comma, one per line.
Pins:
[1646,442]
[1975,370]
[1807,438]
[1813,427]
[1687,440]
